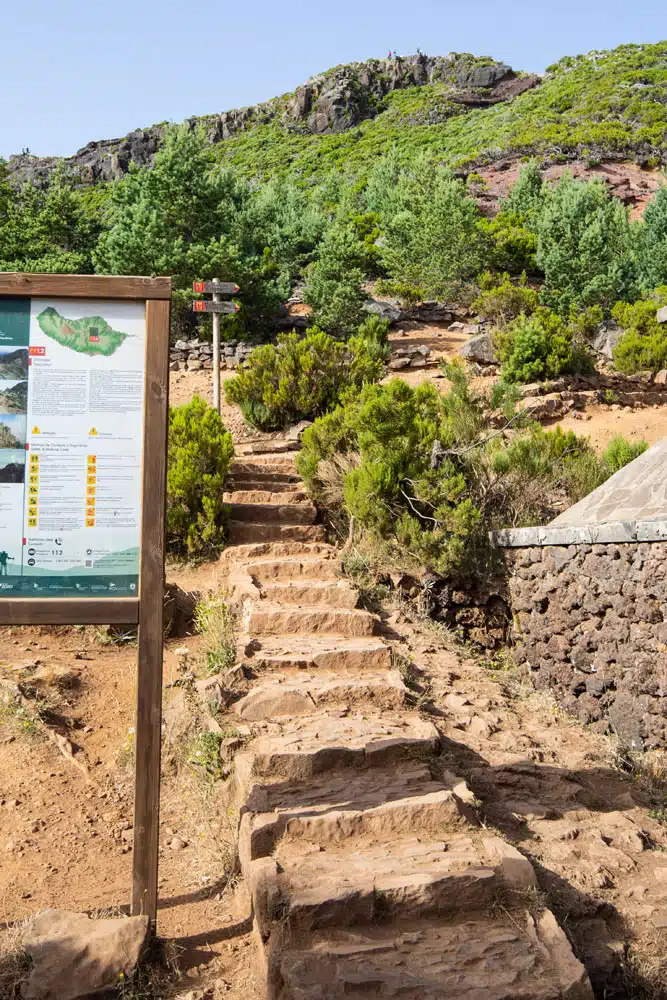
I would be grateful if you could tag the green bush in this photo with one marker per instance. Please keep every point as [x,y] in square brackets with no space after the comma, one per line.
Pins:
[334,284]
[501,300]
[513,243]
[644,342]
[300,379]
[652,242]
[200,454]
[541,346]
[585,247]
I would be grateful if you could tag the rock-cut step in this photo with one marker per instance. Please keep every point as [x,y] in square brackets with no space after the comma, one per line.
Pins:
[340,805]
[248,532]
[297,692]
[324,652]
[265,513]
[330,740]
[501,955]
[263,617]
[293,567]
[362,880]
[316,593]
[266,495]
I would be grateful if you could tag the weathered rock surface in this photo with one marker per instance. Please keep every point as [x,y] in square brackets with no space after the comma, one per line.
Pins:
[74,956]
[480,349]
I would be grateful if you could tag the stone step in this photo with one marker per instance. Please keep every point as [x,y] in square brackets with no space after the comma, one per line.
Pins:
[344,804]
[244,532]
[263,446]
[268,513]
[330,740]
[296,692]
[498,955]
[266,486]
[276,551]
[294,496]
[317,593]
[294,568]
[262,478]
[332,652]
[264,463]
[263,617]
[360,881]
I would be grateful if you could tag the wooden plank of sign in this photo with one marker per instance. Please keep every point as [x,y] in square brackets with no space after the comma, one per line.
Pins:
[69,611]
[215,287]
[204,306]
[84,286]
[151,616]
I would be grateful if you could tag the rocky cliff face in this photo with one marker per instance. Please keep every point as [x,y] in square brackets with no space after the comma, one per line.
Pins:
[331,102]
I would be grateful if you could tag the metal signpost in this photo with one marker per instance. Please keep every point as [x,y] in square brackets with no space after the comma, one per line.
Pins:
[84,363]
[217,307]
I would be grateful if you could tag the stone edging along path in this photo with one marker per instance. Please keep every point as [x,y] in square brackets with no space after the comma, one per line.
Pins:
[368,870]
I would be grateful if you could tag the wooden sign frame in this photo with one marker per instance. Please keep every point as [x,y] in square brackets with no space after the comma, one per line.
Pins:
[147,609]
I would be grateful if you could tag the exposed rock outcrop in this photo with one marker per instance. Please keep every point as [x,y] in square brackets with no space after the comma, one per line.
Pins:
[330,102]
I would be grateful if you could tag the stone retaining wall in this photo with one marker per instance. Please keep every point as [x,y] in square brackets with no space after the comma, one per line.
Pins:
[590,620]
[195,354]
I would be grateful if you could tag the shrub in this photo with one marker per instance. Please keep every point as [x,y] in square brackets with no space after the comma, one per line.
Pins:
[432,242]
[301,378]
[541,346]
[199,456]
[373,332]
[644,343]
[334,284]
[652,242]
[513,243]
[501,300]
[585,247]
[424,476]
[527,195]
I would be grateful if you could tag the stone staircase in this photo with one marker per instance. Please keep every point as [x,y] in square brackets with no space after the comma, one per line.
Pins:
[367,868]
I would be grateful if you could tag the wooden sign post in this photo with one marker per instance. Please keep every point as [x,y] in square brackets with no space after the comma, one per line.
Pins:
[84,360]
[216,306]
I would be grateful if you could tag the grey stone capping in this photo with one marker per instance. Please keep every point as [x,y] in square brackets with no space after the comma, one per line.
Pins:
[614,532]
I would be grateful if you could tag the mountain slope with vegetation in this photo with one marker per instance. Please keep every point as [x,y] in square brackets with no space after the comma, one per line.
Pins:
[464,109]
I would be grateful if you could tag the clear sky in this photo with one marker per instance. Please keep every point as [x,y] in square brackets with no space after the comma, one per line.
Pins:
[76,70]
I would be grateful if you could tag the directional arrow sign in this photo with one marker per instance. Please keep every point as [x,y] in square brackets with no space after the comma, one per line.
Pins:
[204,306]
[221,287]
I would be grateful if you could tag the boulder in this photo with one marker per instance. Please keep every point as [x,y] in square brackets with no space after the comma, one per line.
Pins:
[399,362]
[606,338]
[296,430]
[662,315]
[480,349]
[74,956]
[661,377]
[389,310]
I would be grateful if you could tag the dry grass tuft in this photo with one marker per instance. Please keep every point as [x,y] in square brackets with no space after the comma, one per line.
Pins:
[14,963]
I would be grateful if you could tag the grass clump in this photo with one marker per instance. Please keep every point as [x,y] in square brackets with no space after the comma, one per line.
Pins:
[215,620]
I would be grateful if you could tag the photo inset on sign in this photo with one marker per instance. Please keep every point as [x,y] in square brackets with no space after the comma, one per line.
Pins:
[13,363]
[14,396]
[12,465]
[12,430]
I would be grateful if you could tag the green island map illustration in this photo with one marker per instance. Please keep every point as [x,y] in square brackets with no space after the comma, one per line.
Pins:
[88,335]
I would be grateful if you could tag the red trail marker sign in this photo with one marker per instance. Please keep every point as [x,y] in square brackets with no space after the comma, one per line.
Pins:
[217,307]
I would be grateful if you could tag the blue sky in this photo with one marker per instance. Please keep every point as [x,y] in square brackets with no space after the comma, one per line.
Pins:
[76,70]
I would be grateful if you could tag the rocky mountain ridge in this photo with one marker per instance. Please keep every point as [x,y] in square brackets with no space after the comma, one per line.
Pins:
[329,103]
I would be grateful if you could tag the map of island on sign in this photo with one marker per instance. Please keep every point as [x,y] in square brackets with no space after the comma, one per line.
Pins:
[89,335]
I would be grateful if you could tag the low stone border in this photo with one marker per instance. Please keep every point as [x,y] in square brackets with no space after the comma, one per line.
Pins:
[612,533]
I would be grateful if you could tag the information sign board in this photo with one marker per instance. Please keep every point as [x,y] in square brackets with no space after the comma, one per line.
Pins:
[83,437]
[72,378]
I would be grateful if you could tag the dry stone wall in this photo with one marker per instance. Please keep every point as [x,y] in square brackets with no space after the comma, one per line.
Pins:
[195,354]
[590,621]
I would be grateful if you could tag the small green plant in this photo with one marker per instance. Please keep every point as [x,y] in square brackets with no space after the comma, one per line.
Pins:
[214,619]
[541,346]
[609,396]
[501,300]
[204,752]
[200,454]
